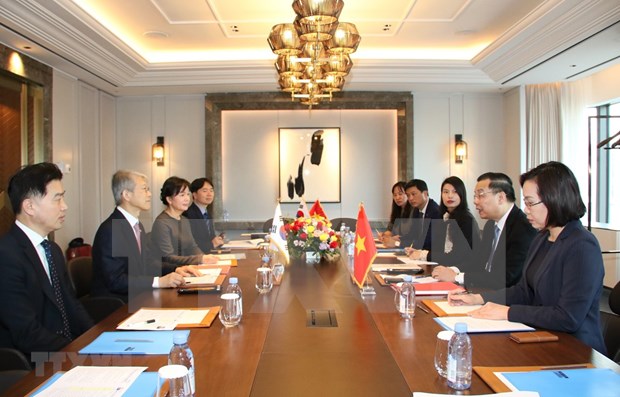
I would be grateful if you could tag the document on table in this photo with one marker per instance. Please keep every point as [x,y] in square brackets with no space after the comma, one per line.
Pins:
[586,382]
[228,257]
[244,244]
[479,325]
[132,342]
[443,308]
[93,381]
[147,319]
[209,276]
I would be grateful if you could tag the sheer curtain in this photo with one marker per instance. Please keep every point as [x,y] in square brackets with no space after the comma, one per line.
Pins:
[543,111]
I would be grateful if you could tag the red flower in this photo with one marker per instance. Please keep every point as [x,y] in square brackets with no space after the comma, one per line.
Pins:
[333,244]
[303,236]
[300,214]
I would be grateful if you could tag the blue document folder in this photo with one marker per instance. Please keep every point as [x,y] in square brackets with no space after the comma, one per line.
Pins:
[144,385]
[586,382]
[132,342]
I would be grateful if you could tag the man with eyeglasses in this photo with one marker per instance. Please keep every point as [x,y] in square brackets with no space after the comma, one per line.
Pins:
[121,261]
[201,219]
[506,238]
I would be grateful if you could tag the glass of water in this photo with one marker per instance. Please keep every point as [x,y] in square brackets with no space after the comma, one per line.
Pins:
[264,279]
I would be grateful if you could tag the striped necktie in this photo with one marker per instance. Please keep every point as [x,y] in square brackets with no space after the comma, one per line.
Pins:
[66,329]
[489,264]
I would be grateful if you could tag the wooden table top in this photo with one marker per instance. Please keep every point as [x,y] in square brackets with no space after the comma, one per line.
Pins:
[371,351]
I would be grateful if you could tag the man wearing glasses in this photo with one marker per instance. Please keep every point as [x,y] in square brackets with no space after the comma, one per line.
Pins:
[506,238]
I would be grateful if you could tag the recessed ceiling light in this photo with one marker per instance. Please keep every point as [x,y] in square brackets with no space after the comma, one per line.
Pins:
[155,34]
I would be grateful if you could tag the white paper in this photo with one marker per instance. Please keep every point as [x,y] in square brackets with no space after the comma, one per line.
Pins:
[224,262]
[424,280]
[165,320]
[507,394]
[244,244]
[193,316]
[410,261]
[93,381]
[483,325]
[228,257]
[461,309]
[209,276]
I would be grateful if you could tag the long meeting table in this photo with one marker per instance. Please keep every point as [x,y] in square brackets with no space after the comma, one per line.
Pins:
[314,335]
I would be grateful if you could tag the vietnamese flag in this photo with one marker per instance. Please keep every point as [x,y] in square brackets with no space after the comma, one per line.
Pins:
[317,209]
[365,248]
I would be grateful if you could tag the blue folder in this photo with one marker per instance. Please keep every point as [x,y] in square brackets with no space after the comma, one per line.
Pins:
[132,342]
[587,382]
[144,385]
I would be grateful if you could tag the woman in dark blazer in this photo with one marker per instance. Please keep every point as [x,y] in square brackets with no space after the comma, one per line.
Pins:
[457,234]
[563,274]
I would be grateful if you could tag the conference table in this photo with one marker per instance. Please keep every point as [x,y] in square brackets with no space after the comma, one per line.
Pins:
[314,334]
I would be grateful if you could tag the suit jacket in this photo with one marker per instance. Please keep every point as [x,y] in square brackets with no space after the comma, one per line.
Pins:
[200,230]
[509,257]
[567,288]
[30,318]
[117,260]
[420,232]
[464,234]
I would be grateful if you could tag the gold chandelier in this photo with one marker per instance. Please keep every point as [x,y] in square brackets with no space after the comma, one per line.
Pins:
[313,52]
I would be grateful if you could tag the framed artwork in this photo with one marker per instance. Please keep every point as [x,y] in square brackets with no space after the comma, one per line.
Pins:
[309,163]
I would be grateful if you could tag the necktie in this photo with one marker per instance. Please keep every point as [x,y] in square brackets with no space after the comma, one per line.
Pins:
[448,245]
[495,241]
[209,223]
[137,231]
[66,329]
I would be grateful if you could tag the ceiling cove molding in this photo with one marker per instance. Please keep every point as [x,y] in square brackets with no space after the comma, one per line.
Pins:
[550,29]
[42,25]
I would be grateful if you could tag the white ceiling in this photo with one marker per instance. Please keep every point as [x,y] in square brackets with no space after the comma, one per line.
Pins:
[133,47]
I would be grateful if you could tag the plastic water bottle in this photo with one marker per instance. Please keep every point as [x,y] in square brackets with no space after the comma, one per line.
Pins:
[343,230]
[404,299]
[226,215]
[232,304]
[181,354]
[459,358]
[350,243]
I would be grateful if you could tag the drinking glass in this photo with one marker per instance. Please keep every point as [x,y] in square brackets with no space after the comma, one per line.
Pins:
[441,352]
[278,271]
[264,279]
[173,381]
[230,313]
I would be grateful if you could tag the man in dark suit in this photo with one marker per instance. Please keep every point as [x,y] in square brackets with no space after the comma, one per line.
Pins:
[201,219]
[425,209]
[39,310]
[506,238]
[121,266]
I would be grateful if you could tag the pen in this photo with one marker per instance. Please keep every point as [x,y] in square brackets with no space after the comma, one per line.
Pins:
[423,309]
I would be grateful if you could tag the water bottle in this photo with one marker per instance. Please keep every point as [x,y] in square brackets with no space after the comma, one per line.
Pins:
[350,243]
[404,299]
[232,304]
[459,358]
[343,230]
[181,354]
[226,215]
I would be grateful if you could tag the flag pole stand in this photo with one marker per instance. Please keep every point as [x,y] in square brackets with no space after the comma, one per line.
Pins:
[367,289]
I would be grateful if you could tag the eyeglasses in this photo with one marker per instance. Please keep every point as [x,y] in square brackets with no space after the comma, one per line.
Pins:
[480,195]
[529,204]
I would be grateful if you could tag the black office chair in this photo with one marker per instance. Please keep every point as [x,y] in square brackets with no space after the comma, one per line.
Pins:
[267,225]
[610,325]
[13,366]
[81,273]
[350,222]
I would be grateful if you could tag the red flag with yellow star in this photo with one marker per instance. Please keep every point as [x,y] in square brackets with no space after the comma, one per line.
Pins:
[365,248]
[317,209]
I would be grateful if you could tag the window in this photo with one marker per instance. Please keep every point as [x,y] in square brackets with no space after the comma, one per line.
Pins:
[606,164]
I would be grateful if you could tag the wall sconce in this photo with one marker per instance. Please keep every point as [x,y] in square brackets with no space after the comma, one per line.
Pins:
[158,151]
[460,149]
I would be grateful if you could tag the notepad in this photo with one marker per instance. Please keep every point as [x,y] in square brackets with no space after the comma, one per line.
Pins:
[131,342]
[443,308]
[587,382]
[479,325]
[149,319]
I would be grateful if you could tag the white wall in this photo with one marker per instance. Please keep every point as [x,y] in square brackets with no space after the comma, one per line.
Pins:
[250,160]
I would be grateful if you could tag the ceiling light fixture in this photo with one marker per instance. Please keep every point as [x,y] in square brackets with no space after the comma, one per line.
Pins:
[313,52]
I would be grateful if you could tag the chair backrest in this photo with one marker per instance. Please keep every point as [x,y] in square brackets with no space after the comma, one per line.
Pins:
[350,222]
[610,327]
[81,274]
[267,225]
[12,359]
[614,299]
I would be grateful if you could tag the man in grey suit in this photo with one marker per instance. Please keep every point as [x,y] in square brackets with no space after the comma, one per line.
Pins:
[121,261]
[39,310]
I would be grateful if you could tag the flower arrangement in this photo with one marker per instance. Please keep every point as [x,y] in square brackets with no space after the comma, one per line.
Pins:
[311,234]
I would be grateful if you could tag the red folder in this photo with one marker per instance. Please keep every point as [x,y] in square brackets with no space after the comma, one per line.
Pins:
[438,288]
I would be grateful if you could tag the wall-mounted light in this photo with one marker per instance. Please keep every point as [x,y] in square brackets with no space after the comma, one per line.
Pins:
[460,149]
[158,151]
